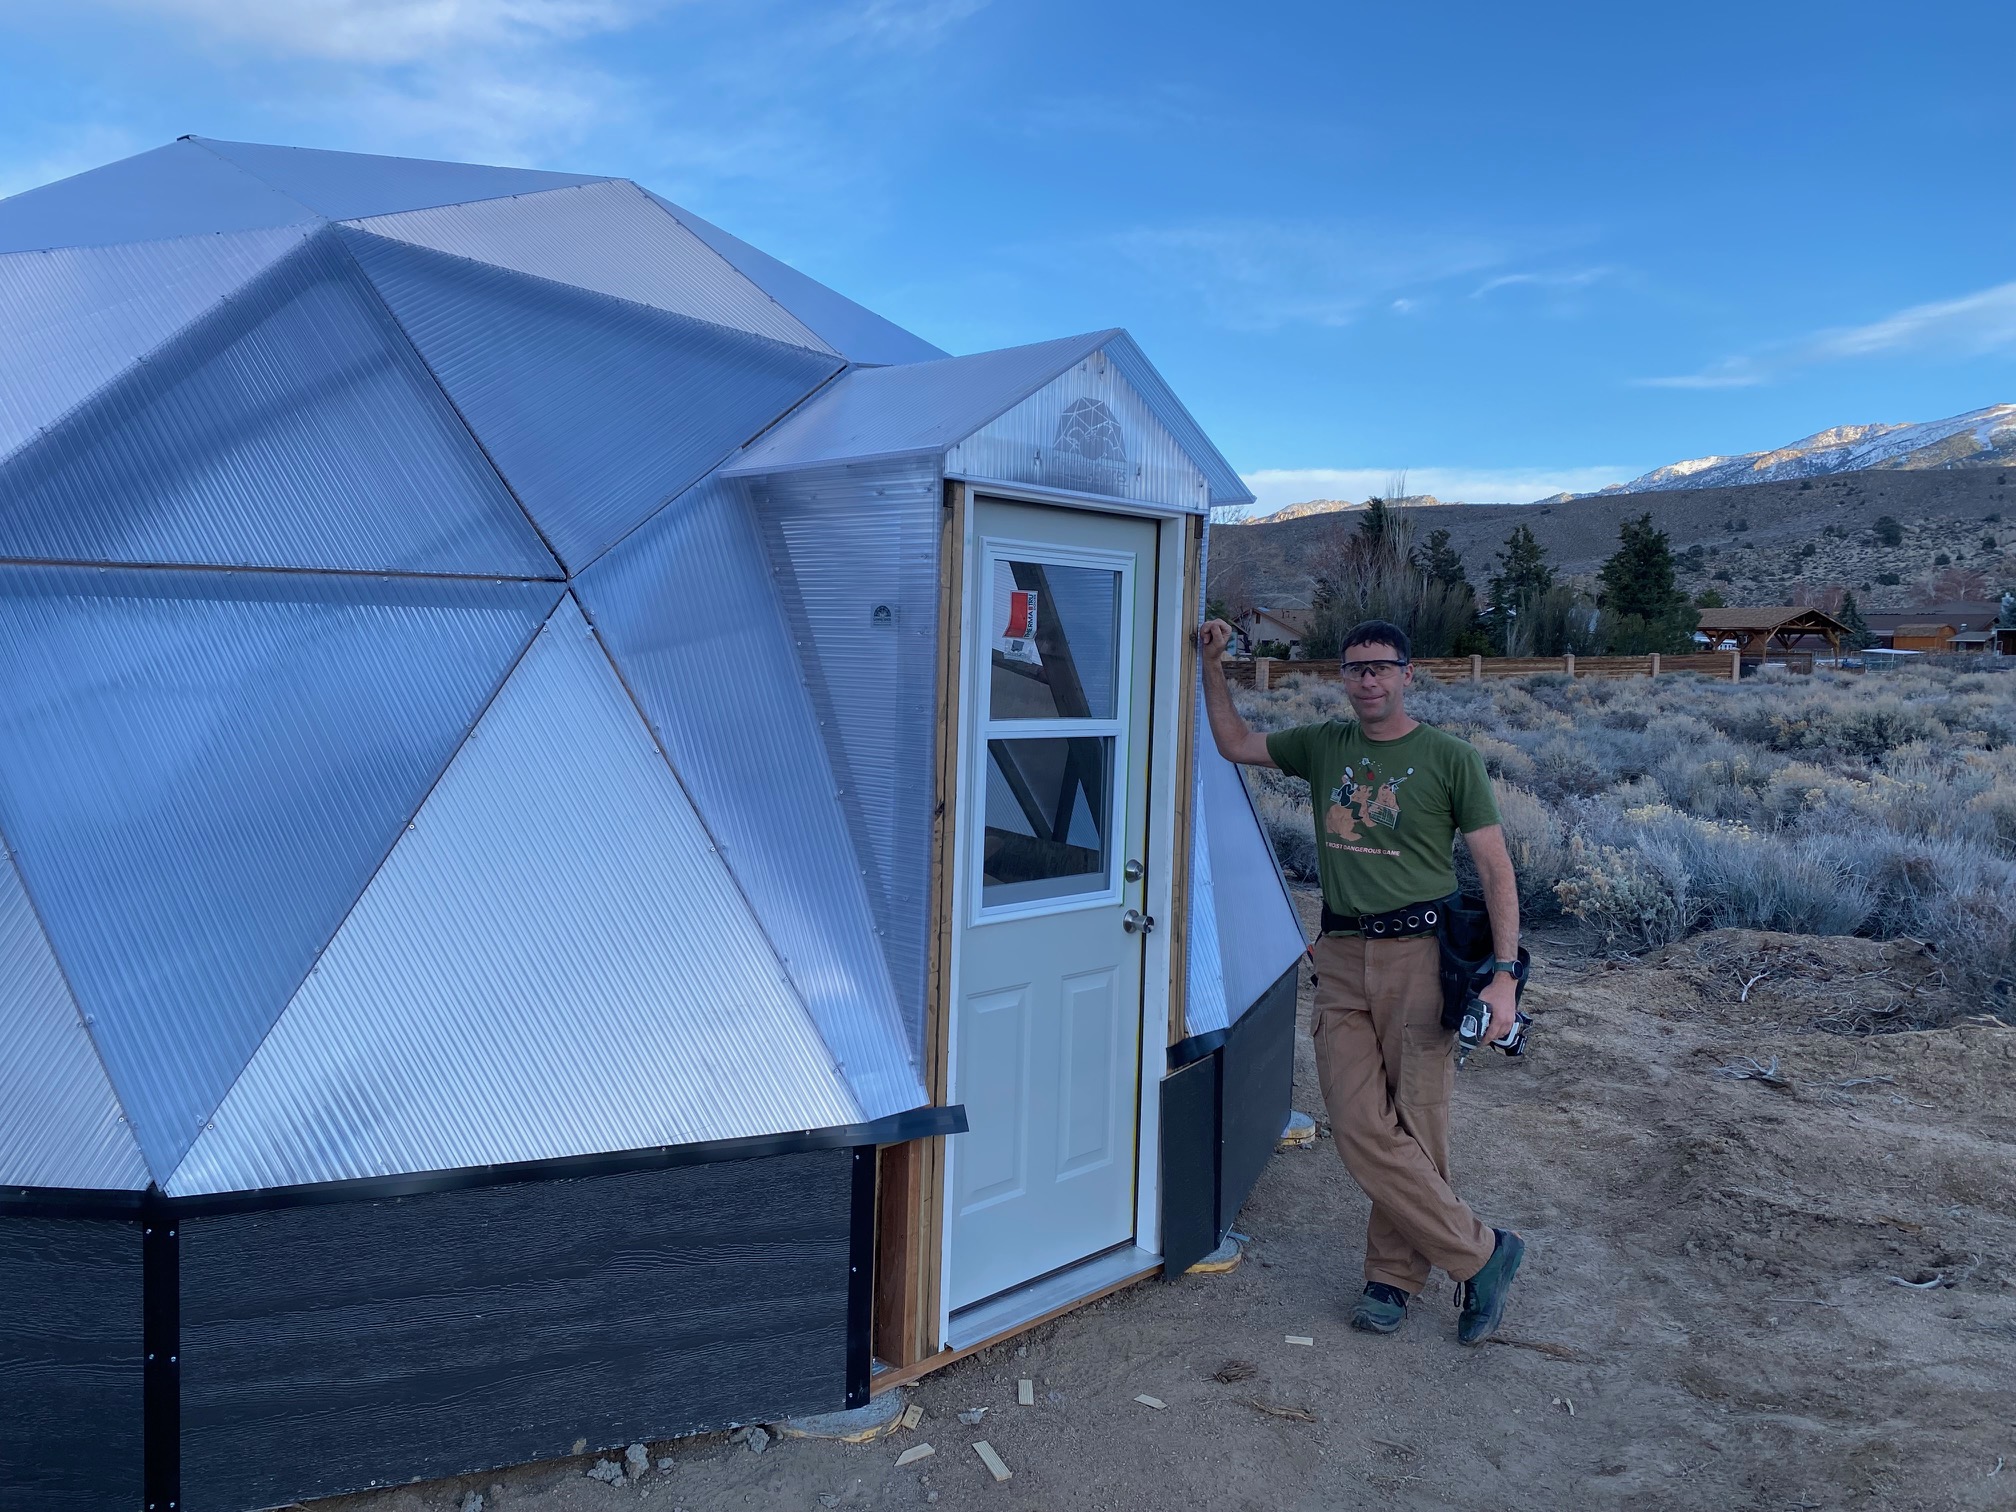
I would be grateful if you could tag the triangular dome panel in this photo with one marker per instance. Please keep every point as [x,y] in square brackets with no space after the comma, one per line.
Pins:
[348,185]
[292,426]
[552,962]
[688,593]
[199,772]
[72,320]
[856,332]
[60,1124]
[177,190]
[610,237]
[596,410]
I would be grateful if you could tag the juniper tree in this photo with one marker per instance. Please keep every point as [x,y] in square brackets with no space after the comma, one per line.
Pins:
[1647,610]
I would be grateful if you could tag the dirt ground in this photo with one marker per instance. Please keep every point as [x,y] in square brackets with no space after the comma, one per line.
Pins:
[1720,1198]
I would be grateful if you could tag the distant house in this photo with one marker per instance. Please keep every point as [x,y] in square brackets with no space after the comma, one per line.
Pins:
[1996,640]
[1760,631]
[1922,637]
[1963,615]
[1288,626]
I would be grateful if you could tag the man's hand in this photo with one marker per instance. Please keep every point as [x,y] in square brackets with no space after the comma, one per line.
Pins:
[1502,998]
[1212,639]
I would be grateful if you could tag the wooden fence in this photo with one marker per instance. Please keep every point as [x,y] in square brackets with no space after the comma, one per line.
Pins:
[1265,671]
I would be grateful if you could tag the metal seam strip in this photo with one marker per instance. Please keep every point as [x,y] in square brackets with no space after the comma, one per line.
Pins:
[897,1128]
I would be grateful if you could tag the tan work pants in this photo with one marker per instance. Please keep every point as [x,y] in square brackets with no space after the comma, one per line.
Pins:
[1387,1070]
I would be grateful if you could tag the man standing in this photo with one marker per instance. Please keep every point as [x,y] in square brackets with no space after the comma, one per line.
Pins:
[1389,795]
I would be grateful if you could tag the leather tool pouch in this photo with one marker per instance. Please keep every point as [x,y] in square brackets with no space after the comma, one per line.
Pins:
[1467,951]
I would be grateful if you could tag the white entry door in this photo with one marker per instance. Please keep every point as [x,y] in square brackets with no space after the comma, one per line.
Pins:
[1046,1034]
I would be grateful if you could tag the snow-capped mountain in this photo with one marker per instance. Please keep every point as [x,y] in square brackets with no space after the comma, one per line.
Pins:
[1980,438]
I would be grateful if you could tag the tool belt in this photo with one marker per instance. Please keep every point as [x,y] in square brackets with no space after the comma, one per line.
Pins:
[1398,924]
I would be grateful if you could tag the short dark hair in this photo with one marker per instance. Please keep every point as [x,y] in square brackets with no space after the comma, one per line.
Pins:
[1378,633]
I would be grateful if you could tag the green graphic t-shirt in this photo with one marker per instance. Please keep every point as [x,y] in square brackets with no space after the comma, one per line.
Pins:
[1387,811]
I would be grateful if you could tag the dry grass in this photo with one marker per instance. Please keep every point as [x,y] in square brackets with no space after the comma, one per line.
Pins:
[1882,806]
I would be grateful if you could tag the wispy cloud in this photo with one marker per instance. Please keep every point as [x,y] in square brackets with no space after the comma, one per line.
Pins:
[1263,275]
[1579,278]
[391,31]
[1275,486]
[1974,325]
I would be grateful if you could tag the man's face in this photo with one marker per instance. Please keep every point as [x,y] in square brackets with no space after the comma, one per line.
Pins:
[1374,680]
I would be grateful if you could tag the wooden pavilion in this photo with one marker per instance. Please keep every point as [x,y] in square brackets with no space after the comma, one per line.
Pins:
[1758,632]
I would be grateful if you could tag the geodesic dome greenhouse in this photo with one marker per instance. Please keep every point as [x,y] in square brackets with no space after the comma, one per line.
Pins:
[473,698]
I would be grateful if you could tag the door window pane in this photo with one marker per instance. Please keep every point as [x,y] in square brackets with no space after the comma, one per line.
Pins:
[1056,641]
[1049,809]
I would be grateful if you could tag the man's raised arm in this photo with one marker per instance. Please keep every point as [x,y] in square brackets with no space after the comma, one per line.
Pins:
[1235,740]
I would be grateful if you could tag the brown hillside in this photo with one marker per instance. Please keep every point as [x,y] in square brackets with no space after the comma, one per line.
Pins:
[1757,542]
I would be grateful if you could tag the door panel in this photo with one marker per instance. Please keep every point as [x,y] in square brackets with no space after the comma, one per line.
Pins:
[1055,738]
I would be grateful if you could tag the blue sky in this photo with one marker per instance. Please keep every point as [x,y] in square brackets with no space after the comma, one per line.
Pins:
[1507,248]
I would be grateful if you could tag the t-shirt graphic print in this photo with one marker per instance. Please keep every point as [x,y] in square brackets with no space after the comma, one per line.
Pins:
[1360,803]
[1387,811]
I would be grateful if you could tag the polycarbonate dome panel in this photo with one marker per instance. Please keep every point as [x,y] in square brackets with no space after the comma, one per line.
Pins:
[348,185]
[292,425]
[553,962]
[596,410]
[199,772]
[856,332]
[177,190]
[73,320]
[60,1124]
[854,552]
[1253,920]
[610,237]
[686,595]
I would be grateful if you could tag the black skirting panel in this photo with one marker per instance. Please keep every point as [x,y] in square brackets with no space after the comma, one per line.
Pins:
[71,1394]
[1224,1106]
[328,1348]
[1256,1088]
[1189,1165]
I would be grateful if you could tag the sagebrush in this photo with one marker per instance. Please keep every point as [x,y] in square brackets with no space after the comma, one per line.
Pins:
[1880,805]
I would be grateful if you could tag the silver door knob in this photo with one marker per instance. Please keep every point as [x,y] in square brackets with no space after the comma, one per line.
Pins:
[1131,871]
[1134,920]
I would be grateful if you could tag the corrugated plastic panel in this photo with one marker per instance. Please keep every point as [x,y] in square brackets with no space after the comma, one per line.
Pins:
[347,185]
[1259,935]
[177,190]
[552,962]
[1204,1008]
[610,237]
[847,544]
[687,608]
[899,411]
[856,332]
[199,772]
[60,1124]
[73,319]
[1227,487]
[596,410]
[1088,430]
[293,426]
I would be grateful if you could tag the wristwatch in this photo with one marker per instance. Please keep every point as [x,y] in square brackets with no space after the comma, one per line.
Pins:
[1516,969]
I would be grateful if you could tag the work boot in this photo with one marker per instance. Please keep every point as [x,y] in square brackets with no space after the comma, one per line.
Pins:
[1380,1309]
[1483,1295]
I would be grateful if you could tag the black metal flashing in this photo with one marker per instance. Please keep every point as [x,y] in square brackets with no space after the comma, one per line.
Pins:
[861,1280]
[161,1375]
[1187,1052]
[897,1128]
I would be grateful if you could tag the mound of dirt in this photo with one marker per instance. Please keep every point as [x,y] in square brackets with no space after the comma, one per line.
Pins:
[1840,984]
